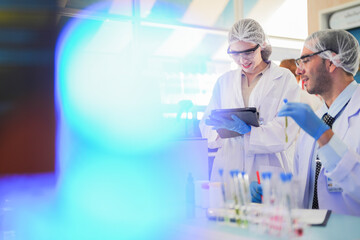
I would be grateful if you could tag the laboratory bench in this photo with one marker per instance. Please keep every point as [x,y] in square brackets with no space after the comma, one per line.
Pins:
[338,227]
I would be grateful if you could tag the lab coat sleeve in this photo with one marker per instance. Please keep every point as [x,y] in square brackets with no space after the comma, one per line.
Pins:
[215,103]
[332,153]
[270,137]
[296,169]
[347,171]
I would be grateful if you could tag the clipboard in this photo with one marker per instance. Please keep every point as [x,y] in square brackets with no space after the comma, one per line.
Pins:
[313,217]
[249,115]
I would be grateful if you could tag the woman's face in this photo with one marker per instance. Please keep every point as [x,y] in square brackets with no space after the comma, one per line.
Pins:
[247,55]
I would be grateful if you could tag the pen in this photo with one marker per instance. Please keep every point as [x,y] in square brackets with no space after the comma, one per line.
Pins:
[258,178]
[286,123]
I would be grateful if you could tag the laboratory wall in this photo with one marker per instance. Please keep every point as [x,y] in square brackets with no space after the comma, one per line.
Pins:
[27,116]
[315,7]
[356,33]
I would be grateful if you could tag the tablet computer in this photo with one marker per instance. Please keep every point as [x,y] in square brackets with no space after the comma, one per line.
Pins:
[249,115]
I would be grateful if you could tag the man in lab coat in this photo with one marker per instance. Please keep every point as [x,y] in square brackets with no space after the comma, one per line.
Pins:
[259,83]
[327,65]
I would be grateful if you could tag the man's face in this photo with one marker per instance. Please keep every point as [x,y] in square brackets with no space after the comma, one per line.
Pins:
[249,60]
[313,73]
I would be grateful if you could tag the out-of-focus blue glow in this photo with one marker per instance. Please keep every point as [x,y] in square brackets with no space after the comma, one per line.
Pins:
[120,173]
[116,178]
[112,108]
[106,96]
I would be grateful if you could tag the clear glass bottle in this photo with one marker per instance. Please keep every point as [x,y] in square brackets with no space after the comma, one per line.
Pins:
[285,229]
[268,201]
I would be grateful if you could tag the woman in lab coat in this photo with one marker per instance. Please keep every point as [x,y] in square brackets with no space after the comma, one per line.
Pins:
[258,83]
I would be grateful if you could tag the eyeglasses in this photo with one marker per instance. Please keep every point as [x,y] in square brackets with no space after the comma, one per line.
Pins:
[304,59]
[247,54]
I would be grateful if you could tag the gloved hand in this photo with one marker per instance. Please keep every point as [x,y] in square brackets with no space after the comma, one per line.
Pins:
[256,192]
[305,117]
[236,124]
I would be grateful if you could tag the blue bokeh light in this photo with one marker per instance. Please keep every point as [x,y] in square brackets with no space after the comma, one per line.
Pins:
[115,177]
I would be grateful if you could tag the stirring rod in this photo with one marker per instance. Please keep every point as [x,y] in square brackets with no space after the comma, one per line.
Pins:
[286,123]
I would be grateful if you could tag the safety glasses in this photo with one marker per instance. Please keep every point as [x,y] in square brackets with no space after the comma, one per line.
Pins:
[304,59]
[249,53]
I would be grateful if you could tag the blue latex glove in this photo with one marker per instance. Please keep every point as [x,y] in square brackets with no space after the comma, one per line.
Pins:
[236,124]
[305,117]
[256,192]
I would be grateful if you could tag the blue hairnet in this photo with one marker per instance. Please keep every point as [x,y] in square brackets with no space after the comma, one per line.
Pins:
[249,30]
[344,48]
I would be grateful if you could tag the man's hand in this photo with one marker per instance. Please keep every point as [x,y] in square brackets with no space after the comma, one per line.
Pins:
[305,117]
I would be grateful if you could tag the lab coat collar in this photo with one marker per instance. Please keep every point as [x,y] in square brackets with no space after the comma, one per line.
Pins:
[343,98]
[259,73]
[266,84]
[351,109]
[354,102]
[274,71]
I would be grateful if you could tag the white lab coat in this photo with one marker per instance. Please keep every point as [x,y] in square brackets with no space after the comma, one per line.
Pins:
[263,148]
[346,174]
[315,103]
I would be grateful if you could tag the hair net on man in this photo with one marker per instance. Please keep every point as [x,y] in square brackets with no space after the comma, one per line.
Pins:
[344,48]
[249,30]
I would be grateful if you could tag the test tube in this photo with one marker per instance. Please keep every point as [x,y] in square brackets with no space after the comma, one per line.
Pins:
[286,123]
[284,223]
[267,205]
[221,217]
[236,195]
[246,198]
